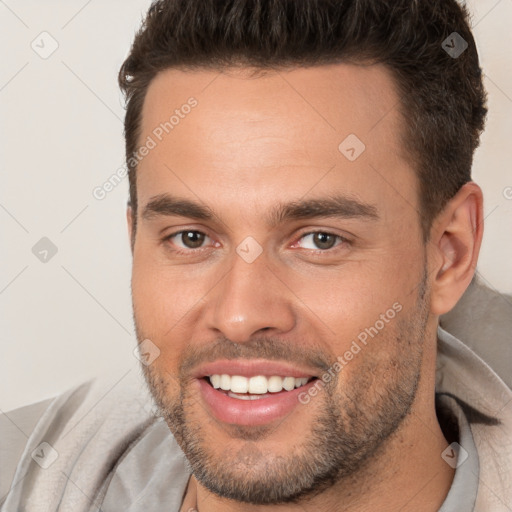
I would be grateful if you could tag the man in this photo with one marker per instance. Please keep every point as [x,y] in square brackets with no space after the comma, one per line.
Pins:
[301,214]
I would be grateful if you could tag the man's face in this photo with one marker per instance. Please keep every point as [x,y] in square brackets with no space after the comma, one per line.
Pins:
[275,282]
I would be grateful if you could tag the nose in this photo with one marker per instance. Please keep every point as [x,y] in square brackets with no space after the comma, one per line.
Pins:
[250,299]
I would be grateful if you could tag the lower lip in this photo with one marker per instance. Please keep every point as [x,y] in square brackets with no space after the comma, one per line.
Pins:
[251,412]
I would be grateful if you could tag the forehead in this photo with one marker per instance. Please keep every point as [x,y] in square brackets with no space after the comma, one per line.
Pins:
[280,129]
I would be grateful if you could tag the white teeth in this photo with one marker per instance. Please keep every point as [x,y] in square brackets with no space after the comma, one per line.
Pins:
[275,384]
[257,385]
[225,382]
[239,384]
[215,380]
[289,383]
[246,396]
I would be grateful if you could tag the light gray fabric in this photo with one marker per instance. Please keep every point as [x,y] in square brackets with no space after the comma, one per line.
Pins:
[15,429]
[114,454]
[464,488]
[89,427]
[152,473]
[482,319]
[461,373]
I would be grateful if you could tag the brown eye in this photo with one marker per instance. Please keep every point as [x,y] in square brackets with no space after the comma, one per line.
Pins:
[187,240]
[320,241]
[324,240]
[192,239]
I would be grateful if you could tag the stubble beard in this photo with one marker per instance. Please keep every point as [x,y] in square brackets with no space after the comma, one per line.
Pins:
[351,427]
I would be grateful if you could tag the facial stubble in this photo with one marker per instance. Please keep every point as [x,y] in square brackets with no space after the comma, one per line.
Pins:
[353,419]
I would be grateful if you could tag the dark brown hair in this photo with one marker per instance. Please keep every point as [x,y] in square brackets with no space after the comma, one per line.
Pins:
[442,95]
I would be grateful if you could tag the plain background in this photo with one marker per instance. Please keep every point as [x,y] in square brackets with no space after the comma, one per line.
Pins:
[68,319]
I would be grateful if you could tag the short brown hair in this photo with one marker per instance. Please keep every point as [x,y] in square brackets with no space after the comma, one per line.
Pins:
[443,101]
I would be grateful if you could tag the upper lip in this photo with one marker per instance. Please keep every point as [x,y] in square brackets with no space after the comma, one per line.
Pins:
[250,368]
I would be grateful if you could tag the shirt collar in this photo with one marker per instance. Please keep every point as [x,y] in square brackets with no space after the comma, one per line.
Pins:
[462,455]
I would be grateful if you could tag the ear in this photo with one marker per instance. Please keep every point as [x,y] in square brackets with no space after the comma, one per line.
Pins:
[129,221]
[456,236]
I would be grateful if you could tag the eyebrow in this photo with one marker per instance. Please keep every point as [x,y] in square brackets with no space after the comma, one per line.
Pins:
[339,206]
[167,205]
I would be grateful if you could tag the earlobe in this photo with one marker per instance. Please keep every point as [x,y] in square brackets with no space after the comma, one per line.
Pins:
[456,239]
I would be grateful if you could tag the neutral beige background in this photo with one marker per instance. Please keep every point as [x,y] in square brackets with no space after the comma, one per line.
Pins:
[61,136]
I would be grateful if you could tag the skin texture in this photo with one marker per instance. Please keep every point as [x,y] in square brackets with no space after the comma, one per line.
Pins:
[250,144]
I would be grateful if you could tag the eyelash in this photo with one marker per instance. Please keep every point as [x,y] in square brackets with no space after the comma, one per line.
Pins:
[342,241]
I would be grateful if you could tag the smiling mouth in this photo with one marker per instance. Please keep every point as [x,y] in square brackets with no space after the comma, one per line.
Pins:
[256,387]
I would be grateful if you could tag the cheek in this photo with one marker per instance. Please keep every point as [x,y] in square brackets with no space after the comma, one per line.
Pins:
[164,307]
[161,296]
[350,298]
[148,299]
[360,304]
[163,384]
